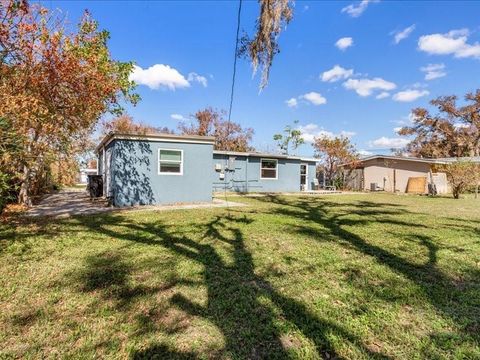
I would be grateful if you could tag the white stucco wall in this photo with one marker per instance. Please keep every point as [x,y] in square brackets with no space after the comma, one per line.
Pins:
[385,173]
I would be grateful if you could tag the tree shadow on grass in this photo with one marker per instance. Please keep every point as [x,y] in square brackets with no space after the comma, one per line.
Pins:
[458,302]
[250,313]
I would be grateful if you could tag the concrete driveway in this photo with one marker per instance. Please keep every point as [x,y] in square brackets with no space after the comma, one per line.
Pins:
[69,202]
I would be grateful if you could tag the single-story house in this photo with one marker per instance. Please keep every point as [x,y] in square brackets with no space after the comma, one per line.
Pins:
[260,172]
[167,169]
[402,174]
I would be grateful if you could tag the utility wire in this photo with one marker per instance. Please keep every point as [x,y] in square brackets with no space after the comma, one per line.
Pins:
[235,60]
[232,90]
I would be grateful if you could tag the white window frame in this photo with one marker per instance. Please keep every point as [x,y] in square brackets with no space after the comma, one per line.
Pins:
[306,175]
[276,169]
[170,161]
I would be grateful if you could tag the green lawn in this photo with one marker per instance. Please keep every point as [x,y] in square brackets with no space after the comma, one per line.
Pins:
[353,276]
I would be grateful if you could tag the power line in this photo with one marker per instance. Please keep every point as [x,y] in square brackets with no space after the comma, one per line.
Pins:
[235,60]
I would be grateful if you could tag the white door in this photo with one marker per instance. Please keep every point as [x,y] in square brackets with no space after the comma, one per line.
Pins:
[304,177]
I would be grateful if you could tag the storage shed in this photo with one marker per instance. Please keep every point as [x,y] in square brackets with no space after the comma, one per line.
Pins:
[404,174]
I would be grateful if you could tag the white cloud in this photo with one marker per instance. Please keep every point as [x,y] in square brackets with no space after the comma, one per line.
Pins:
[291,102]
[389,143]
[452,43]
[383,95]
[344,43]
[405,120]
[198,78]
[311,131]
[409,95]
[159,76]
[402,35]
[365,87]
[314,98]
[336,73]
[178,117]
[365,153]
[357,10]
[433,71]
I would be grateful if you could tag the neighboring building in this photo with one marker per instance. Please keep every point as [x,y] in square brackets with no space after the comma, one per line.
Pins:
[167,169]
[403,174]
[258,172]
[83,175]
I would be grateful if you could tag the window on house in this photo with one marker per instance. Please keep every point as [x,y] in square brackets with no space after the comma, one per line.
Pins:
[170,162]
[268,169]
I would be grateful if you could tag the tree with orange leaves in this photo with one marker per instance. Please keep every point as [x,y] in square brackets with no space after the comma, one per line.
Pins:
[333,152]
[54,84]
[125,124]
[229,135]
[454,131]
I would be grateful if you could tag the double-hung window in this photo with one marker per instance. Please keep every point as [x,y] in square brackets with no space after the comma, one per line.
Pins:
[268,169]
[170,162]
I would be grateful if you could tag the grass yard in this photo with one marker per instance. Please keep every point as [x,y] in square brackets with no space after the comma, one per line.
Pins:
[354,276]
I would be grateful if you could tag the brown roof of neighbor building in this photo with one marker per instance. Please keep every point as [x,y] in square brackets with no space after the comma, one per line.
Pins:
[444,160]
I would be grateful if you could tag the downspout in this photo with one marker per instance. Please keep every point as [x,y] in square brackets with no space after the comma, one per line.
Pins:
[104,173]
[246,175]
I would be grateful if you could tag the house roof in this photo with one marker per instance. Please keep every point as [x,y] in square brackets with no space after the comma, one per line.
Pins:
[264,155]
[445,160]
[475,159]
[193,139]
[399,158]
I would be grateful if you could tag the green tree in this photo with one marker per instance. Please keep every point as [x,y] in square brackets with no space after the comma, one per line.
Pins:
[291,138]
[10,149]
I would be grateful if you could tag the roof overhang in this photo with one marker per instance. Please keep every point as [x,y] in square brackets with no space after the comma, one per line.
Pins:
[264,155]
[414,159]
[189,139]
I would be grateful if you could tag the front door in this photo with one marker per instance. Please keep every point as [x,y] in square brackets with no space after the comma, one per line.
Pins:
[303,177]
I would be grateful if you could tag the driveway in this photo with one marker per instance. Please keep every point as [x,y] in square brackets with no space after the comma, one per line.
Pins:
[68,203]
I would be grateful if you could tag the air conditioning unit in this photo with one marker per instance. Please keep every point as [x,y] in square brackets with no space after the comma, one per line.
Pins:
[218,167]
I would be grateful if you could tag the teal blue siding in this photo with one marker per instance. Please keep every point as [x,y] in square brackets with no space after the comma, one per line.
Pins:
[135,178]
[245,177]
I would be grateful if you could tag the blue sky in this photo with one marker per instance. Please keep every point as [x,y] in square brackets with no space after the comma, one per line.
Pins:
[401,55]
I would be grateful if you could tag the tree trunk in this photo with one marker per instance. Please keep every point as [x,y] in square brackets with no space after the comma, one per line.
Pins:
[24,195]
[456,193]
